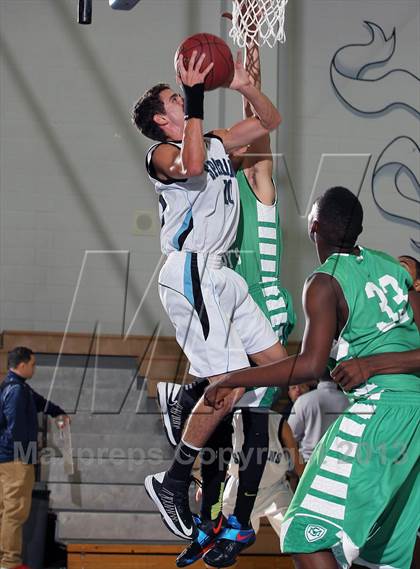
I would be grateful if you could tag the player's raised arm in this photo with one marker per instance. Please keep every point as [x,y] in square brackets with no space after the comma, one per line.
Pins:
[252,66]
[193,152]
[264,109]
[258,161]
[251,129]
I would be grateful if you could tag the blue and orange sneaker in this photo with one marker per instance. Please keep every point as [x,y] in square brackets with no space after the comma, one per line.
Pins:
[233,539]
[208,531]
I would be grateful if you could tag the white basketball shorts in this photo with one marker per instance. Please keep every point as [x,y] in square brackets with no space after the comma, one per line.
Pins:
[216,321]
[272,502]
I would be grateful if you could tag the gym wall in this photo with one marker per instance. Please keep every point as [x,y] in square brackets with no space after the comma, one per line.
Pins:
[72,165]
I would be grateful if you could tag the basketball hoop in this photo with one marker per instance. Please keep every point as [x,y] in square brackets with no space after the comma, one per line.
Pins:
[258,21]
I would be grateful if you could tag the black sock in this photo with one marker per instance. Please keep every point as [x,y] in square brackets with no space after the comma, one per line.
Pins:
[215,460]
[245,501]
[253,459]
[183,462]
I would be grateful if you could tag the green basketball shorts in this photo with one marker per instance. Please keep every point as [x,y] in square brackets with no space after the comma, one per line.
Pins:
[277,305]
[360,493]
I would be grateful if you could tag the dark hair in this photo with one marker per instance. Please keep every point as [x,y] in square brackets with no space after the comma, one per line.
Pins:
[145,109]
[416,262]
[19,355]
[340,216]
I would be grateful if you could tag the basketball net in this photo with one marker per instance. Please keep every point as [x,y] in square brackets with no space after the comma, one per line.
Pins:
[258,21]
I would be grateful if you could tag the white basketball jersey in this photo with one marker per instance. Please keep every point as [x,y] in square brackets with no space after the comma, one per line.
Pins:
[199,214]
[278,462]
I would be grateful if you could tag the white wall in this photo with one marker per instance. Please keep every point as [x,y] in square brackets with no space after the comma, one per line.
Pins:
[320,123]
[72,166]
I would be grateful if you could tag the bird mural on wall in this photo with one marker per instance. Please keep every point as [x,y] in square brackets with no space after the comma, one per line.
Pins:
[395,181]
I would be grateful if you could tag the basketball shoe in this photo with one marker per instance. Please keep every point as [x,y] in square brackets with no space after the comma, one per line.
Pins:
[176,404]
[233,539]
[208,530]
[172,500]
[173,413]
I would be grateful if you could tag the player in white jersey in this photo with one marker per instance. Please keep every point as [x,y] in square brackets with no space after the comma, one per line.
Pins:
[217,323]
[274,491]
[200,213]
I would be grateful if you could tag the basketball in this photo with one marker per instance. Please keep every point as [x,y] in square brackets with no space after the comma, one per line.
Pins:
[217,51]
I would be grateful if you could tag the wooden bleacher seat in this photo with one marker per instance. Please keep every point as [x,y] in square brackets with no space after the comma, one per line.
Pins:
[126,556]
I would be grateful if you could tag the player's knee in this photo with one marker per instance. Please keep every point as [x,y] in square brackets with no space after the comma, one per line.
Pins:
[230,400]
[237,393]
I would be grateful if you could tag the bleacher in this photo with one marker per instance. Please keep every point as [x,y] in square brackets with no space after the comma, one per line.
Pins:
[104,516]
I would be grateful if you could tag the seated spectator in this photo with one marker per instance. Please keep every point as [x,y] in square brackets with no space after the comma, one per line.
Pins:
[314,411]
[293,393]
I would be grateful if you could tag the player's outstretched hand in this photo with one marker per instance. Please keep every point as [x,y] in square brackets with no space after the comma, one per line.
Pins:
[241,78]
[351,373]
[191,75]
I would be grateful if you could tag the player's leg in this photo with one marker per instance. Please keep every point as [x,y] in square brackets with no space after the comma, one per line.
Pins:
[214,463]
[259,341]
[255,453]
[239,533]
[393,542]
[176,402]
[169,490]
[202,330]
[318,560]
[362,459]
[272,354]
[273,502]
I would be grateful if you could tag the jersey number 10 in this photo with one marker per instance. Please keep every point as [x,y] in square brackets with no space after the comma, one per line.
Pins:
[228,192]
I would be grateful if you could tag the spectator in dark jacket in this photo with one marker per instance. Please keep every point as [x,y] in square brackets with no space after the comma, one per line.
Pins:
[19,406]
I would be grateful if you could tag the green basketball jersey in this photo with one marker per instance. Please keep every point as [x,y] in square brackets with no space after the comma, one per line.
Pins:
[380,319]
[256,256]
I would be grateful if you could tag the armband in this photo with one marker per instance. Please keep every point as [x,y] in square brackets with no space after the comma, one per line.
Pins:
[194,101]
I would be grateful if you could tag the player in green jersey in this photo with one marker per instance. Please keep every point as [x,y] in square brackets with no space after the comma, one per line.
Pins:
[257,250]
[349,374]
[352,373]
[358,498]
